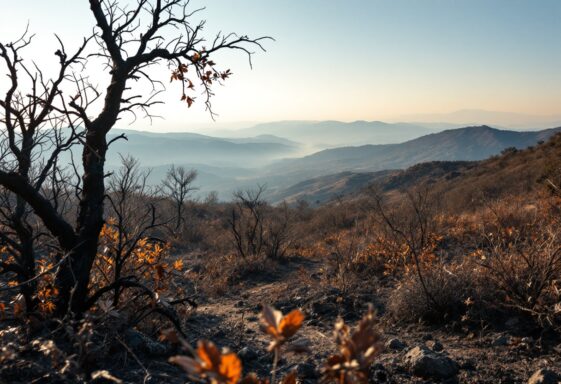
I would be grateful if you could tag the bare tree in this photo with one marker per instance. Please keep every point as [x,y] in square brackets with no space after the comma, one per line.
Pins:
[246,223]
[177,185]
[32,137]
[258,228]
[278,235]
[131,41]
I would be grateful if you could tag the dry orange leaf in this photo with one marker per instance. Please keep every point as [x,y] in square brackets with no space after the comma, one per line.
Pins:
[210,363]
[291,323]
[279,326]
[230,368]
[178,265]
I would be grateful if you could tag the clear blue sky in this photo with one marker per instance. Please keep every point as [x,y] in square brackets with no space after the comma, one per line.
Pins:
[358,59]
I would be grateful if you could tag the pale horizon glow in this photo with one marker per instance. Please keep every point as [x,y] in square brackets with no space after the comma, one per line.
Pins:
[352,60]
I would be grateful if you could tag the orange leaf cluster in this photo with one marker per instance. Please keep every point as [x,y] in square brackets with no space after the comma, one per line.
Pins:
[211,365]
[280,327]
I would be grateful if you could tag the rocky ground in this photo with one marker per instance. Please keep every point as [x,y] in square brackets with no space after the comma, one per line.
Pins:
[413,354]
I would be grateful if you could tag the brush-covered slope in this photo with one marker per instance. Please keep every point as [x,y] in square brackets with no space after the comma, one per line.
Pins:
[467,185]
[513,170]
[322,189]
[464,144]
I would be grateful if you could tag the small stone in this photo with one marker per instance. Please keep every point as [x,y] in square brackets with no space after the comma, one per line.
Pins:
[378,374]
[138,341]
[469,365]
[435,345]
[395,344]
[219,334]
[324,308]
[306,371]
[247,354]
[544,376]
[501,341]
[512,322]
[425,363]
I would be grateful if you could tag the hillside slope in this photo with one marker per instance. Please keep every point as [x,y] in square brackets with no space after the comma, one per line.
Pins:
[156,149]
[464,183]
[465,186]
[464,144]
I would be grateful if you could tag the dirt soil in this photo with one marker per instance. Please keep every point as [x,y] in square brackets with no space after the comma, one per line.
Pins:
[232,321]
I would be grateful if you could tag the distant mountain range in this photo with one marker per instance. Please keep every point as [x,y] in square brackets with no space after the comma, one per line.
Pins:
[509,120]
[470,143]
[329,134]
[464,144]
[156,149]
[226,164]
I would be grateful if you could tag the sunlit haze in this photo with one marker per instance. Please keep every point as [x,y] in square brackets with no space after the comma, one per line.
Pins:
[352,60]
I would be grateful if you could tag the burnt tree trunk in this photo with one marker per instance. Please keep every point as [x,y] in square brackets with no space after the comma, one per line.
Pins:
[73,278]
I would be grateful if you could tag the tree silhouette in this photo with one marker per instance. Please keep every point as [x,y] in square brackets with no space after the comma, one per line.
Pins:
[177,185]
[131,42]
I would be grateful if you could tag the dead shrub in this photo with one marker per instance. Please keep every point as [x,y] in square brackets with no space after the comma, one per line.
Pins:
[524,263]
[450,288]
[219,274]
[259,229]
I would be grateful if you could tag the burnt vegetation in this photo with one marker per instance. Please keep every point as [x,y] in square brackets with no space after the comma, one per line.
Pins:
[106,278]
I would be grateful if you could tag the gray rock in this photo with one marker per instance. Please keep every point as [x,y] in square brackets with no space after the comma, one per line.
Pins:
[435,345]
[527,343]
[501,341]
[138,341]
[545,376]
[512,322]
[425,363]
[395,344]
[306,371]
[469,365]
[247,354]
[324,308]
[378,374]
[427,336]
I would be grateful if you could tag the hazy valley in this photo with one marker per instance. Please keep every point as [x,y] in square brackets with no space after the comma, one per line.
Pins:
[292,170]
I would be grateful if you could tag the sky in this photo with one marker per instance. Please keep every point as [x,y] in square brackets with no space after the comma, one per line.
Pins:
[350,59]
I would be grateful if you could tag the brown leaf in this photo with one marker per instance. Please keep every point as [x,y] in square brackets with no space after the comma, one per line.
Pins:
[190,101]
[291,323]
[209,354]
[188,364]
[289,379]
[231,368]
[270,319]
